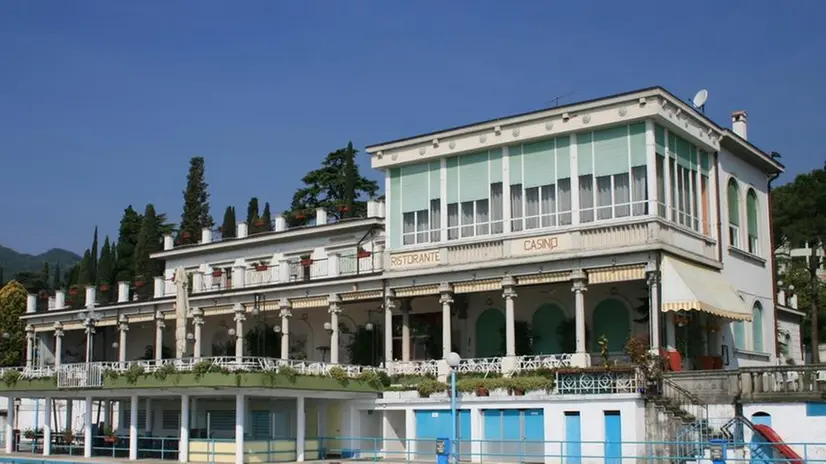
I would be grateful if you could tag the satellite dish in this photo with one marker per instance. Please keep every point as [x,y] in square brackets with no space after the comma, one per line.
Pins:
[700,98]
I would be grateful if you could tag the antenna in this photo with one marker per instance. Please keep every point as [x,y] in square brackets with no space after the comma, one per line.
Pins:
[699,100]
[555,101]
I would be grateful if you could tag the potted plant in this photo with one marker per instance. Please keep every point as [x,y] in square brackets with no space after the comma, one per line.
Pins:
[258,222]
[306,260]
[362,253]
[104,287]
[343,208]
[73,290]
[139,282]
[186,235]
[216,273]
[68,436]
[260,267]
[43,294]
[300,215]
[482,390]
[29,434]
[109,436]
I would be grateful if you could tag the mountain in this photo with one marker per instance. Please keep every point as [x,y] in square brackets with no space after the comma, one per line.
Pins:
[13,262]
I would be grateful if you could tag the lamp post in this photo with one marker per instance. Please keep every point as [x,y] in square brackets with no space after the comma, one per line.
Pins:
[453,359]
[369,327]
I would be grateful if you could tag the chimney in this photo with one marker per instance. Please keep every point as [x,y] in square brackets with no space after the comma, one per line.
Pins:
[739,124]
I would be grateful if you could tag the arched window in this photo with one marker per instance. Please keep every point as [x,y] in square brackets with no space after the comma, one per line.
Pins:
[739,334]
[757,327]
[751,215]
[733,214]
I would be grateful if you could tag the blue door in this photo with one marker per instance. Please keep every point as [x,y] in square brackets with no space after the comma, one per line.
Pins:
[573,438]
[613,437]
[762,451]
[534,424]
[434,424]
[513,435]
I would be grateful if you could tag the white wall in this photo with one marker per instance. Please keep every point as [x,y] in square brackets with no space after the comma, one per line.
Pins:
[750,275]
[794,427]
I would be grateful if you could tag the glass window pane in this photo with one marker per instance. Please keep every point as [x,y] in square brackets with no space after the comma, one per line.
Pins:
[497,212]
[453,221]
[586,198]
[516,207]
[482,217]
[604,198]
[435,220]
[532,208]
[408,228]
[422,226]
[622,195]
[564,204]
[467,219]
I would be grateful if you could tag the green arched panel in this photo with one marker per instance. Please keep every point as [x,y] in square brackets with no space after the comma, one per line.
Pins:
[611,319]
[546,320]
[490,329]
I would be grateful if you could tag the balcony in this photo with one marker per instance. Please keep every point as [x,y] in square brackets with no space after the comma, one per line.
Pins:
[756,384]
[637,233]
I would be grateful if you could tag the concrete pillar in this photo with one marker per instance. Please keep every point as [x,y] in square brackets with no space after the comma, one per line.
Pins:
[197,281]
[320,216]
[581,358]
[239,273]
[107,414]
[59,299]
[47,427]
[654,307]
[239,331]
[10,424]
[406,330]
[446,300]
[133,428]
[123,292]
[183,442]
[509,294]
[159,326]
[242,230]
[335,310]
[159,287]
[300,421]
[197,322]
[91,296]
[30,341]
[206,235]
[31,303]
[58,344]
[280,224]
[168,242]
[333,260]
[90,332]
[389,304]
[285,314]
[240,415]
[87,428]
[123,329]
[69,417]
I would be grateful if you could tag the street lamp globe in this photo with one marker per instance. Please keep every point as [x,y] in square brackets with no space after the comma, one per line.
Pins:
[6,335]
[328,326]
[368,326]
[190,336]
[277,329]
[231,332]
[453,359]
[115,345]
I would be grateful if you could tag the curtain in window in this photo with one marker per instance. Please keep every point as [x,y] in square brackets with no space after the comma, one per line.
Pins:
[639,190]
[586,198]
[733,203]
[661,186]
[409,229]
[453,221]
[516,207]
[604,198]
[751,213]
[695,207]
[497,212]
[482,217]
[435,220]
[564,193]
[532,208]
[422,226]
[622,195]
[467,219]
[547,204]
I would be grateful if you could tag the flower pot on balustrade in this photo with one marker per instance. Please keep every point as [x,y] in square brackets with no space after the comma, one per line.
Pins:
[306,261]
[104,287]
[363,254]
[217,273]
[258,223]
[482,391]
[73,291]
[140,283]
[261,267]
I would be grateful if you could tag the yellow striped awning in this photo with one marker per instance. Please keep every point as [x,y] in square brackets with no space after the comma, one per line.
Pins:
[546,278]
[687,287]
[420,290]
[616,274]
[477,286]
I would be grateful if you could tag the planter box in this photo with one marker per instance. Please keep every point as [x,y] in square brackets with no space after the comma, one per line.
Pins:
[535,393]
[259,380]
[392,395]
[439,395]
[30,385]
[409,395]
[499,392]
[465,395]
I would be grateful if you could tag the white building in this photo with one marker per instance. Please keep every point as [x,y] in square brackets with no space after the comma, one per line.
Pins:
[535,246]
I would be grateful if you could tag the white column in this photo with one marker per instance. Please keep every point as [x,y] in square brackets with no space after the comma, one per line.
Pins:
[446,300]
[300,421]
[90,332]
[240,317]
[574,179]
[476,435]
[335,310]
[667,177]
[654,307]
[183,442]
[285,314]
[670,332]
[651,161]
[159,326]
[133,428]
[149,419]
[47,427]
[389,304]
[87,428]
[10,424]
[58,344]
[509,294]
[123,327]
[581,358]
[197,323]
[30,340]
[240,414]
[406,330]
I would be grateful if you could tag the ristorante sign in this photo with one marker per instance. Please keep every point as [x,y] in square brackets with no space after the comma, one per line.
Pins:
[414,259]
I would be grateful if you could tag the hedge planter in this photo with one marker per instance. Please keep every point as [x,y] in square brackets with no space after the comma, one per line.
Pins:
[43,384]
[256,379]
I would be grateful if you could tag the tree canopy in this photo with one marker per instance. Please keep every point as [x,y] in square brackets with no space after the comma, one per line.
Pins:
[130,226]
[195,214]
[799,218]
[228,224]
[12,307]
[336,186]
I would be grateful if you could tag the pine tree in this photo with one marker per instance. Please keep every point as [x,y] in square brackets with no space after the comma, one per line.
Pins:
[12,307]
[336,186]
[130,226]
[266,216]
[94,268]
[252,215]
[57,279]
[196,202]
[44,276]
[106,270]
[149,242]
[228,226]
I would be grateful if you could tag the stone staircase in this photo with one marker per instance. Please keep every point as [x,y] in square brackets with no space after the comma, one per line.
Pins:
[676,422]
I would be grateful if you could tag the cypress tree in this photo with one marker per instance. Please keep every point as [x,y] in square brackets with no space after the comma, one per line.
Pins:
[350,175]
[266,216]
[106,270]
[94,269]
[45,276]
[228,226]
[57,279]
[149,241]
[130,226]
[195,215]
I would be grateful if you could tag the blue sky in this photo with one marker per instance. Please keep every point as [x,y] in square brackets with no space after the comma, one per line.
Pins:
[102,103]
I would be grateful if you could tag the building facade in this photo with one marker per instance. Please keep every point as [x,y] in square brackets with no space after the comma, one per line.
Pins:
[538,247]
